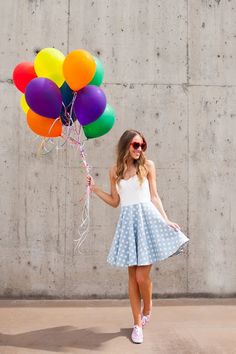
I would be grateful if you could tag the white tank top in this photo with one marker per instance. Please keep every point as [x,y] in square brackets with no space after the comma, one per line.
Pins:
[131,192]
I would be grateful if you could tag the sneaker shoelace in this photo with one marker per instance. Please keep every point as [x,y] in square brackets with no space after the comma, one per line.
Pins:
[137,331]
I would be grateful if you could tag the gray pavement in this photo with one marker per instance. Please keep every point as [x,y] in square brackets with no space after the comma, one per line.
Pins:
[178,326]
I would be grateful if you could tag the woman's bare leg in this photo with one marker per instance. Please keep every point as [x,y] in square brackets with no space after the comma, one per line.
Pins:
[145,287]
[134,296]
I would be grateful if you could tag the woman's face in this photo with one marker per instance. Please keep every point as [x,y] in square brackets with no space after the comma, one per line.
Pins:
[135,153]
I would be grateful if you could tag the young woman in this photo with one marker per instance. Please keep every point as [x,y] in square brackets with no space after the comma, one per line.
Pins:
[144,234]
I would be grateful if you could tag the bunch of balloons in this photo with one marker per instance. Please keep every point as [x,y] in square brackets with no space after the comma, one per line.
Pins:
[59,96]
[61,91]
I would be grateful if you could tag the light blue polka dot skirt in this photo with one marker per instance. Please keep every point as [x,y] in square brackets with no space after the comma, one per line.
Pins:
[142,237]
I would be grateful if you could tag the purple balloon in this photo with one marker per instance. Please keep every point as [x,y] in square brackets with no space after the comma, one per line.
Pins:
[44,97]
[89,104]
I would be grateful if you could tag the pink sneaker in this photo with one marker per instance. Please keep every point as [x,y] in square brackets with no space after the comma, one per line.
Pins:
[137,334]
[145,319]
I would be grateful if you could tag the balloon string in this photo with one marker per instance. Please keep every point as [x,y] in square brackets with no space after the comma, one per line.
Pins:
[70,120]
[42,145]
[71,134]
[85,218]
[85,221]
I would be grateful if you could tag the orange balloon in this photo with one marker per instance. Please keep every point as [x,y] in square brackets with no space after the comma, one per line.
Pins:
[46,127]
[79,68]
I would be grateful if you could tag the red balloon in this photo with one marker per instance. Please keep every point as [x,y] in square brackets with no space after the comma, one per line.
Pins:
[23,74]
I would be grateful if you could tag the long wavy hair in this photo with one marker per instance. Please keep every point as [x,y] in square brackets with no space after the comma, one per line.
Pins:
[123,155]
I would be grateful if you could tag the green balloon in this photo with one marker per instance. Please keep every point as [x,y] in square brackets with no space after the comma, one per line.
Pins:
[99,73]
[102,125]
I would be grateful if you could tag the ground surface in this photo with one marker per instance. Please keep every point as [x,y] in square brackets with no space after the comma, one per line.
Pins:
[181,326]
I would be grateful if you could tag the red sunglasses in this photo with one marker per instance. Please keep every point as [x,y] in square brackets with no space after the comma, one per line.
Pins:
[136,145]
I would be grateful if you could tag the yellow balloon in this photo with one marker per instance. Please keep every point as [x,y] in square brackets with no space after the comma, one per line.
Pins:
[49,63]
[24,104]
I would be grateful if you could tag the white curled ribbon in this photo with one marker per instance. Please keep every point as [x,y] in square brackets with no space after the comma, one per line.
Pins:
[85,218]
[71,135]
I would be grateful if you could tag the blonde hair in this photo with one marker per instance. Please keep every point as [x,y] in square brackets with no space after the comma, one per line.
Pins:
[123,154]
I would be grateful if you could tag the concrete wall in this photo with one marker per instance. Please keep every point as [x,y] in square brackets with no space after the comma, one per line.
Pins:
[170,72]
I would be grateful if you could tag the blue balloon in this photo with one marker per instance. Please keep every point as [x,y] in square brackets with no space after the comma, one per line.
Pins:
[67,97]
[67,94]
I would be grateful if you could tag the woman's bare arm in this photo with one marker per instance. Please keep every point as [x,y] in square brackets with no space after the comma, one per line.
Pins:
[113,198]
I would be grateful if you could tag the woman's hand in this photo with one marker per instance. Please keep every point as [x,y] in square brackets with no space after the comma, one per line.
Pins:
[109,198]
[175,226]
[91,183]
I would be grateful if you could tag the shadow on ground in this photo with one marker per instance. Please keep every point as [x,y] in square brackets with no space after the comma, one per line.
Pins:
[60,338]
